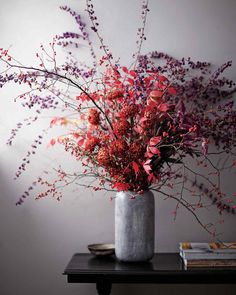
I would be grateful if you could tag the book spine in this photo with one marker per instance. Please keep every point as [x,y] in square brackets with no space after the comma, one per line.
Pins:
[219,251]
[216,256]
[210,263]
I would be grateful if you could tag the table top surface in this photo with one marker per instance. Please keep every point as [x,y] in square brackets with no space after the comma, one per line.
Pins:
[162,264]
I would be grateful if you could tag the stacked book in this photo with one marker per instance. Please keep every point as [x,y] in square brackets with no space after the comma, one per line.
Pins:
[208,254]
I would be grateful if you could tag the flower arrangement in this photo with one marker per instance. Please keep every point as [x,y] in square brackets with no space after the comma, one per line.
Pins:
[132,127]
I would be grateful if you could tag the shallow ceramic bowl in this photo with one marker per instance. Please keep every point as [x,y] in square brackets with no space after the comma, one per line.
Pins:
[102,249]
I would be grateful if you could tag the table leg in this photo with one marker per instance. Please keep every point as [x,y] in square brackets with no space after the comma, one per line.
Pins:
[103,287]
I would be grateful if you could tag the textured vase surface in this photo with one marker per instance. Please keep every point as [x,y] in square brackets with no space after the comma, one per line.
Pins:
[134,226]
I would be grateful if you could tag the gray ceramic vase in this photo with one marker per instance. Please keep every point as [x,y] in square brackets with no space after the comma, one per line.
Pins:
[134,226]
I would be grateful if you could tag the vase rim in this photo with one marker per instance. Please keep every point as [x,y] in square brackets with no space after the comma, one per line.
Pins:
[135,193]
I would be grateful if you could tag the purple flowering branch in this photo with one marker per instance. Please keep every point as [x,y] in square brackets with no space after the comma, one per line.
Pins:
[63,77]
[93,18]
[140,34]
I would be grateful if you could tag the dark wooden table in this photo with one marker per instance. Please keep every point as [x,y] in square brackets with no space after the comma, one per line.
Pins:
[164,268]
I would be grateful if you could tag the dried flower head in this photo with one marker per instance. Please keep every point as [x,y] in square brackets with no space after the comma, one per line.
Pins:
[94,117]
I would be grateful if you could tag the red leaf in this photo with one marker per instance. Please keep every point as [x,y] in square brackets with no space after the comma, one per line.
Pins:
[121,186]
[117,82]
[162,78]
[156,93]
[165,134]
[75,135]
[135,167]
[154,150]
[125,70]
[160,85]
[172,91]
[82,97]
[155,140]
[80,141]
[147,80]
[149,154]
[163,107]
[54,121]
[152,103]
[131,81]
[193,128]
[133,74]
[52,142]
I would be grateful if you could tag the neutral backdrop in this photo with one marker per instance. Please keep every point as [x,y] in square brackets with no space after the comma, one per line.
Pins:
[38,238]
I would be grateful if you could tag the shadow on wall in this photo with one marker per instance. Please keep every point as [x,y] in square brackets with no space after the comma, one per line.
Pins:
[37,239]
[31,251]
